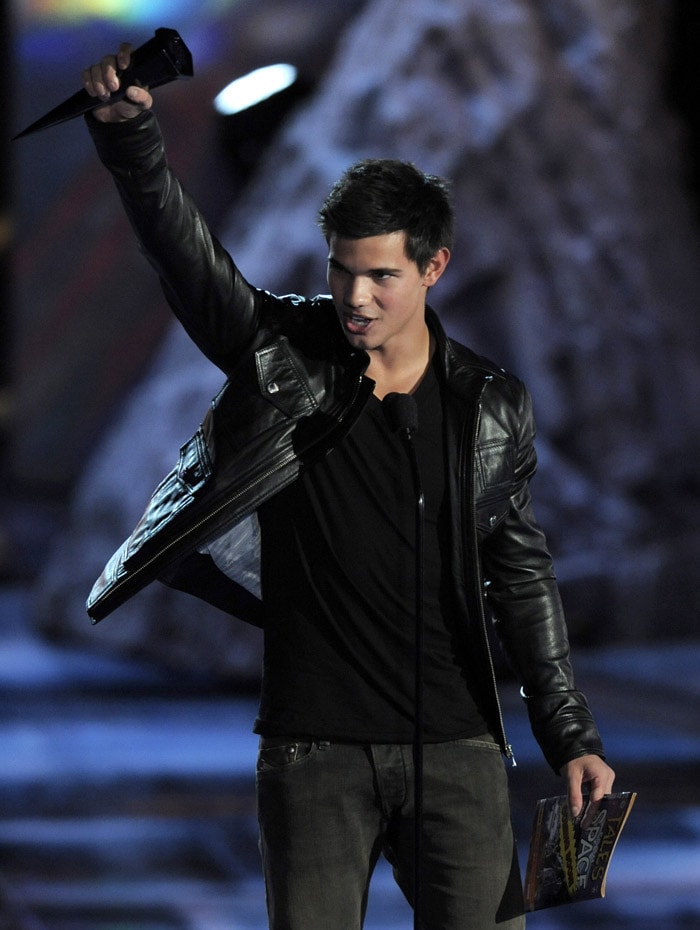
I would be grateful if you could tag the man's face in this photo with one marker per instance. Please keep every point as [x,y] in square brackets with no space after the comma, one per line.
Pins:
[378,292]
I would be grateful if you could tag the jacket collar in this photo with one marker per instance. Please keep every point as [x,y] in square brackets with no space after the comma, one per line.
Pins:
[456,360]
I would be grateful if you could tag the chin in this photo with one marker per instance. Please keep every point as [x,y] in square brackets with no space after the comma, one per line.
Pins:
[361,342]
[357,340]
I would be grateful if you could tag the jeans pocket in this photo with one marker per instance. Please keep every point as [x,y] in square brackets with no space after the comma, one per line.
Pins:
[480,742]
[281,753]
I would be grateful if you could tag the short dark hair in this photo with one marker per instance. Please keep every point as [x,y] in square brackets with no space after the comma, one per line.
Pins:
[383,195]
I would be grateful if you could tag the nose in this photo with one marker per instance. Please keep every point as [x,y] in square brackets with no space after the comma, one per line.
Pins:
[355,295]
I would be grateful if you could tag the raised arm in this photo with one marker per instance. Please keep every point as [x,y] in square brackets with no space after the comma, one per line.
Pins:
[217,307]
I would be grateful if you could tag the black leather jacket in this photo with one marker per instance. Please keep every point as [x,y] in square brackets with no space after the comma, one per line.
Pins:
[294,387]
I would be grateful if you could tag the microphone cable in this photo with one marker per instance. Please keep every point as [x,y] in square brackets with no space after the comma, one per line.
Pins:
[402,413]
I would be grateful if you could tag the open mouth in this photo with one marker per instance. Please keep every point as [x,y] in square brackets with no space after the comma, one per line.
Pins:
[355,323]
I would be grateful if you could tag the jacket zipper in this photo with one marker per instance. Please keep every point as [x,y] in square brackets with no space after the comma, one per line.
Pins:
[287,460]
[506,746]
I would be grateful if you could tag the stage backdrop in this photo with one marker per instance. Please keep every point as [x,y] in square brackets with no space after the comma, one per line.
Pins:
[575,266]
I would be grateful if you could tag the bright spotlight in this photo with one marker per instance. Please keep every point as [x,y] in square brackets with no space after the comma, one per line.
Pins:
[253,88]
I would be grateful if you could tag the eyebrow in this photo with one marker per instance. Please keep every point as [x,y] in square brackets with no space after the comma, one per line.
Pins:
[339,265]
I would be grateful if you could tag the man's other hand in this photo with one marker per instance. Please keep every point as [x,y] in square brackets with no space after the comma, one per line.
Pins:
[591,771]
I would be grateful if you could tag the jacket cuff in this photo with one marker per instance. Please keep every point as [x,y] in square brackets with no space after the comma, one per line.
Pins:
[129,139]
[563,726]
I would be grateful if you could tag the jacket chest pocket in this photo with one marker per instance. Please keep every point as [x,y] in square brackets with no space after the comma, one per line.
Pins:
[194,468]
[281,380]
[495,468]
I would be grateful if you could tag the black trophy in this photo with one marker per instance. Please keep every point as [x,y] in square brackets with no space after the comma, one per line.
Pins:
[162,59]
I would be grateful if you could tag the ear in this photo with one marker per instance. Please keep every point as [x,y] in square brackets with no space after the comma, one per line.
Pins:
[436,266]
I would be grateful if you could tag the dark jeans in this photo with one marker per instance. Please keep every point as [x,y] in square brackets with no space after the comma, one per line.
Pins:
[328,810]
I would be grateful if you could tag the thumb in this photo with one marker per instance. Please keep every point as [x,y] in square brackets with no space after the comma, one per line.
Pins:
[575,796]
[574,787]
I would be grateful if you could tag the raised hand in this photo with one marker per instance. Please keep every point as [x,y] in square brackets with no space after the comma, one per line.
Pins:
[102,79]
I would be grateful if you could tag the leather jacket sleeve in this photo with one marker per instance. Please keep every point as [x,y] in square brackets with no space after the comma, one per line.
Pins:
[212,300]
[524,598]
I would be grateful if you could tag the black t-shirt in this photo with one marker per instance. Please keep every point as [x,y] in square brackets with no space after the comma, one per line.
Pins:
[338,585]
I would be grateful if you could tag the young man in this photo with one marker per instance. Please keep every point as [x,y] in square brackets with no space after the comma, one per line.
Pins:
[299,436]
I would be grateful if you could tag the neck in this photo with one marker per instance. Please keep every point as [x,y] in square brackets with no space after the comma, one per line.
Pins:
[400,371]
